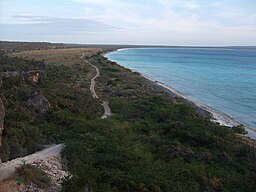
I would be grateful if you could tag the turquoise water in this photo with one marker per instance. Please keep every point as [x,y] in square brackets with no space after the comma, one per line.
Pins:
[224,79]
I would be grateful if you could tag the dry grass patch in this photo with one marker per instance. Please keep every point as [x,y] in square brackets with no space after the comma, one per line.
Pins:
[28,174]
[58,56]
[11,185]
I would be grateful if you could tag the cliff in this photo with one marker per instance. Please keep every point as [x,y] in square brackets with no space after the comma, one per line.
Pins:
[31,75]
[38,102]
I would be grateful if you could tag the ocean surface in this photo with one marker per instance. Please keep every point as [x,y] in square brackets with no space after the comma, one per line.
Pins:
[221,78]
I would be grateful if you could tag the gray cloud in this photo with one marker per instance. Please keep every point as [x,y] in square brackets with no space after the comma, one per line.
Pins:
[33,27]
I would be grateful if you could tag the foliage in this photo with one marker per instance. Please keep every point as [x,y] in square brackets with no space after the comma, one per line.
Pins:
[16,64]
[153,142]
[239,129]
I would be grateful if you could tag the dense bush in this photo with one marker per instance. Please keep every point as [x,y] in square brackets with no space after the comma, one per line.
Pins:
[16,64]
[26,130]
[152,143]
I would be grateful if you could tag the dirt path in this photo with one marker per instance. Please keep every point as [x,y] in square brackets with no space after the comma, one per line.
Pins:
[105,104]
[107,113]
[92,86]
[8,168]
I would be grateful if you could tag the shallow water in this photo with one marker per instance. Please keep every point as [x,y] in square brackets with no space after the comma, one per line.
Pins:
[224,79]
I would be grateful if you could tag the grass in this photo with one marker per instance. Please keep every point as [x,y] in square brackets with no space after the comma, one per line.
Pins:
[58,56]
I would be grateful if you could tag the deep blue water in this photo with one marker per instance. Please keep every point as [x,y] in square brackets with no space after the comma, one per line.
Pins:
[224,79]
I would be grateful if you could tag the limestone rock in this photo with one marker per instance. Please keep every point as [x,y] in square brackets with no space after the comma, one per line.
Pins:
[38,102]
[53,168]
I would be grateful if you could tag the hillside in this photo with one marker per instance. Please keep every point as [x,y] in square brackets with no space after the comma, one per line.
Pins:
[154,141]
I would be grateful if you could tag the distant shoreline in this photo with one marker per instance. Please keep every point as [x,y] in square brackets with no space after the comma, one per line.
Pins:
[217,116]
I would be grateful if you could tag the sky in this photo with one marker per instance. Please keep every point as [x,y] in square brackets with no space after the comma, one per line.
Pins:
[141,22]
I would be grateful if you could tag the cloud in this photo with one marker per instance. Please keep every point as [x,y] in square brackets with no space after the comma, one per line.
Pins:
[143,22]
[191,5]
[40,26]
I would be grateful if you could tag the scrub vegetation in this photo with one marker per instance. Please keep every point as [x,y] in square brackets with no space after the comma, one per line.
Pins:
[154,142]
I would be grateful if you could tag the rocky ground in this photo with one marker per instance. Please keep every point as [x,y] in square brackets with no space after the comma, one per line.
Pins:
[47,160]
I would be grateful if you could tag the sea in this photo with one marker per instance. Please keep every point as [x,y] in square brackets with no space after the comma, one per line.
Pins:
[222,78]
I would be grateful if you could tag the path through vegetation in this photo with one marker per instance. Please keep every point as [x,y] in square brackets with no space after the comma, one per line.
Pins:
[105,104]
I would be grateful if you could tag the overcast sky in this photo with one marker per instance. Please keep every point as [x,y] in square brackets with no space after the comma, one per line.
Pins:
[158,22]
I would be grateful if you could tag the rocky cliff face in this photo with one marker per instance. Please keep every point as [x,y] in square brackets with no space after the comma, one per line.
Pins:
[31,75]
[38,102]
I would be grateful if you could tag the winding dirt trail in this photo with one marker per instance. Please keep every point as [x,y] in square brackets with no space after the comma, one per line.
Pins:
[8,169]
[107,113]
[92,86]
[105,104]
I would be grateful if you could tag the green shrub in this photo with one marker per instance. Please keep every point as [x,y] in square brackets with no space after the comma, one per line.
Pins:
[239,129]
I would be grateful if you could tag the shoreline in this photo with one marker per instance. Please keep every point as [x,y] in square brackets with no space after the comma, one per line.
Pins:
[217,116]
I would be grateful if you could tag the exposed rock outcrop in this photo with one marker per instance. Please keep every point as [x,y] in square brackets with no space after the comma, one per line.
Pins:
[31,75]
[53,168]
[38,102]
[48,160]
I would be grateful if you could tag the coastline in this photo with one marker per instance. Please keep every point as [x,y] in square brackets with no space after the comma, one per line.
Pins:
[217,116]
